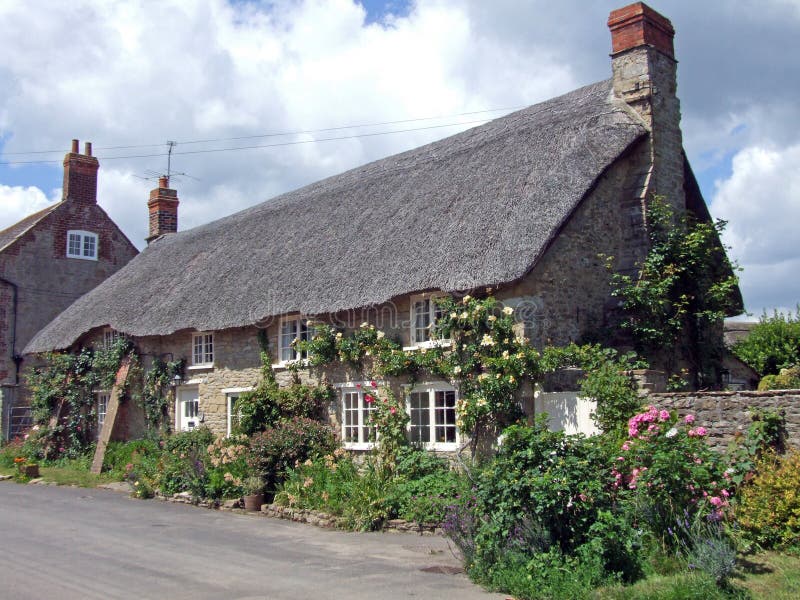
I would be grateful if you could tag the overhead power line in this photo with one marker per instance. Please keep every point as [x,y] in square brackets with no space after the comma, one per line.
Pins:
[252,147]
[265,135]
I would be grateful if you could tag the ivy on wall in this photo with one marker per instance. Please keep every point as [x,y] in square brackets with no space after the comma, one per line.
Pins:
[684,289]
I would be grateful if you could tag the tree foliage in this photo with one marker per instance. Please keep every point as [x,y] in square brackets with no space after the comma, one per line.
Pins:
[773,344]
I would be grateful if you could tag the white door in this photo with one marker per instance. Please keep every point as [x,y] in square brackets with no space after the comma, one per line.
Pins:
[188,409]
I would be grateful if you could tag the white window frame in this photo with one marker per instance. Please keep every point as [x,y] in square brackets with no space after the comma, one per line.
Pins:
[103,398]
[433,312]
[231,396]
[300,330]
[431,389]
[202,350]
[361,423]
[88,244]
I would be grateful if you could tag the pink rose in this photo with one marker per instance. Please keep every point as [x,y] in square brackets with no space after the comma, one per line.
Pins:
[393,410]
[373,384]
[663,415]
[368,399]
[688,419]
[701,431]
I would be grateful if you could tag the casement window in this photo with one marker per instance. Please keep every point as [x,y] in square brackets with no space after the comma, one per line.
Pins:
[82,244]
[293,328]
[110,336]
[358,433]
[234,412]
[102,409]
[424,312]
[233,406]
[202,349]
[432,412]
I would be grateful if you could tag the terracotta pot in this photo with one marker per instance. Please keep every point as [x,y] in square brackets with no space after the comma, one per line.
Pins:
[253,502]
[31,471]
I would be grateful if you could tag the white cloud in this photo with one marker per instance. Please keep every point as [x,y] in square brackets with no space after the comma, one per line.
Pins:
[18,202]
[761,202]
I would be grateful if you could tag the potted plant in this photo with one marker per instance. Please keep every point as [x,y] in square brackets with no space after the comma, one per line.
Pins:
[253,493]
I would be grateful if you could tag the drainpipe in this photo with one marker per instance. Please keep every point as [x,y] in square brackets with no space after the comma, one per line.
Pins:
[14,357]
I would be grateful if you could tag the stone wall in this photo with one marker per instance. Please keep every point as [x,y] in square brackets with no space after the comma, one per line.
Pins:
[728,414]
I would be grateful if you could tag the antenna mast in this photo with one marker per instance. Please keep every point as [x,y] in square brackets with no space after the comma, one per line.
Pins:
[170,146]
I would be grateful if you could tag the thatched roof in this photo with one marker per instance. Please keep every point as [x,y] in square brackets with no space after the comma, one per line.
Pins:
[475,209]
[11,234]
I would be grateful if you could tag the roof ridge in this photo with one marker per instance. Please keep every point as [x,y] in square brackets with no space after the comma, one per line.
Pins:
[14,232]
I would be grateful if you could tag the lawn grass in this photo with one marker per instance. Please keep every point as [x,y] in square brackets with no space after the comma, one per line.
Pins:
[766,575]
[74,475]
[771,575]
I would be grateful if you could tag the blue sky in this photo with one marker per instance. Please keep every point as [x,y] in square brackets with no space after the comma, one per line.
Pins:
[125,73]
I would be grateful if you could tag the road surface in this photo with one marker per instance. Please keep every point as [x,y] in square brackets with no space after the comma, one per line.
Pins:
[65,543]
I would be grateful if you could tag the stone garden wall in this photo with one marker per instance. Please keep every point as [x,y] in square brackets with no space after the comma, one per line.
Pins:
[729,414]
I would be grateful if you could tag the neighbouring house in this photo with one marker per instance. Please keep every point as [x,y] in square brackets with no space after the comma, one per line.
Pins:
[737,374]
[525,204]
[47,261]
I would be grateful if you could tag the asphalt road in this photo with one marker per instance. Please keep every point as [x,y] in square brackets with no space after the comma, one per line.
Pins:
[64,543]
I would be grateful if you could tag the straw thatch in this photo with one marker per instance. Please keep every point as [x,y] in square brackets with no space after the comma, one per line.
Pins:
[475,209]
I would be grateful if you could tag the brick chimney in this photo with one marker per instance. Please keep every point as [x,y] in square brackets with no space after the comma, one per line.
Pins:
[644,75]
[163,208]
[80,175]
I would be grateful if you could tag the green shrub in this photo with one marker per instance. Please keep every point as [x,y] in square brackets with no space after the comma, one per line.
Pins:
[769,505]
[773,344]
[227,466]
[787,379]
[142,454]
[290,442]
[182,467]
[559,482]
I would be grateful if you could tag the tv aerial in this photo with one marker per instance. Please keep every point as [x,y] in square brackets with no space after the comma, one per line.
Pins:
[154,175]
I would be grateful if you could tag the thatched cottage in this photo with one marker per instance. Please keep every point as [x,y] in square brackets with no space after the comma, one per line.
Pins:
[524,204]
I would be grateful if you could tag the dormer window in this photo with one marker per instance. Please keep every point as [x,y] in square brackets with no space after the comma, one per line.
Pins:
[82,244]
[424,312]
[202,350]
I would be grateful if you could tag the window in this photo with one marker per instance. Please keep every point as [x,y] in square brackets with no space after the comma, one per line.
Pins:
[234,412]
[110,336]
[202,349]
[357,431]
[102,409]
[294,329]
[432,409]
[424,312]
[82,244]
[234,409]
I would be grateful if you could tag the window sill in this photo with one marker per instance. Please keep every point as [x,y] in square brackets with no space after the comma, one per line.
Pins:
[358,446]
[207,367]
[94,258]
[427,345]
[281,366]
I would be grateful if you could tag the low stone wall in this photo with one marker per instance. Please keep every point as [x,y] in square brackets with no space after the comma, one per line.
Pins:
[321,519]
[728,414]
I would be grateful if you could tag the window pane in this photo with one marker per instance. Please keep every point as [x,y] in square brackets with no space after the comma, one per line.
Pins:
[420,417]
[288,333]
[350,416]
[74,244]
[89,246]
[368,431]
[208,354]
[445,410]
[422,319]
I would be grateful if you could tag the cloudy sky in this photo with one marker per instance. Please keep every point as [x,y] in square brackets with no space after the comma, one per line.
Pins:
[253,92]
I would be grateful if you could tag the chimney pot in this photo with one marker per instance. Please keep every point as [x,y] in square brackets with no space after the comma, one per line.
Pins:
[75,144]
[87,148]
[163,181]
